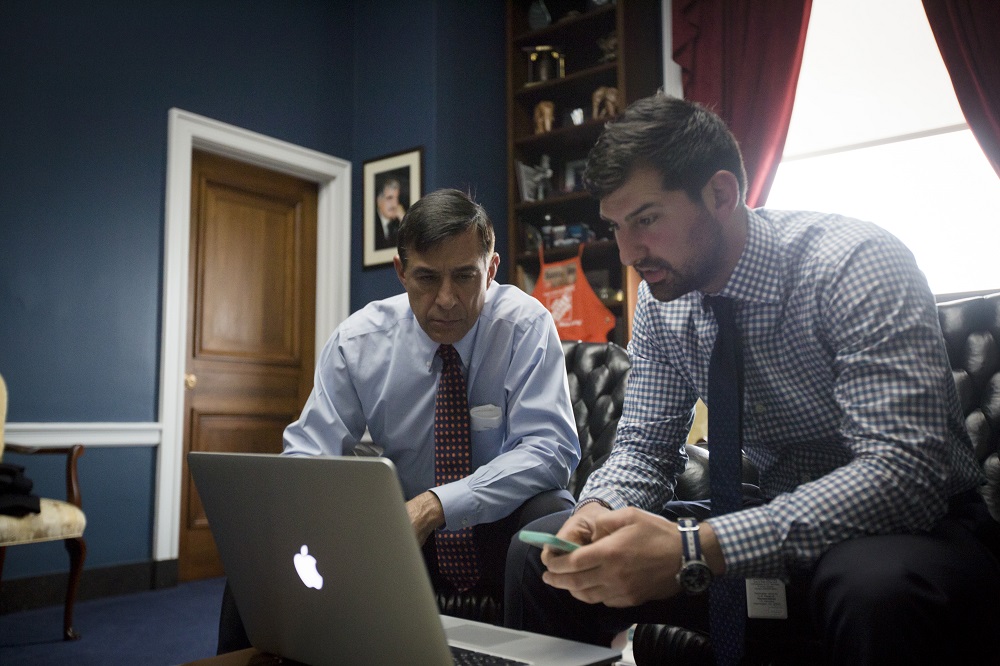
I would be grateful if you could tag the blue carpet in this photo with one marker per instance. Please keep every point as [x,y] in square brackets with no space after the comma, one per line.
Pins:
[161,627]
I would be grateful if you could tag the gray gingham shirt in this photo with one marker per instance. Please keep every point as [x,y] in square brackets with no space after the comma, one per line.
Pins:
[850,410]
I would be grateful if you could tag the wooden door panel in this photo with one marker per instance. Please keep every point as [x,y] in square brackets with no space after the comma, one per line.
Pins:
[251,323]
[249,282]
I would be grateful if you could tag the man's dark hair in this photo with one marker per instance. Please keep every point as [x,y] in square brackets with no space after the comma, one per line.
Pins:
[439,216]
[682,140]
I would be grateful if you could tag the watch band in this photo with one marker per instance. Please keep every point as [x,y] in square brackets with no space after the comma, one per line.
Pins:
[694,575]
[689,539]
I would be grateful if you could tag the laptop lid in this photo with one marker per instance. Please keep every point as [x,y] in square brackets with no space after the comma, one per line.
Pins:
[324,568]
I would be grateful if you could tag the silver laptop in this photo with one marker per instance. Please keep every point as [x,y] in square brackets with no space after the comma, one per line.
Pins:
[324,567]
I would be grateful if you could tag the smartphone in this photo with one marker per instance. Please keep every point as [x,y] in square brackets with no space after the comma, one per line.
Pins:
[544,539]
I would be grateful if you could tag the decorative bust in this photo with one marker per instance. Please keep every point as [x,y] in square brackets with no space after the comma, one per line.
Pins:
[604,102]
[544,111]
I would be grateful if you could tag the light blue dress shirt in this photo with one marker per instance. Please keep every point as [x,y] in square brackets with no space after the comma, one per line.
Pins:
[380,370]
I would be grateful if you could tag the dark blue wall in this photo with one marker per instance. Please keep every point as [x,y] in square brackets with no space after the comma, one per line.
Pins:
[472,120]
[83,129]
[430,73]
[86,88]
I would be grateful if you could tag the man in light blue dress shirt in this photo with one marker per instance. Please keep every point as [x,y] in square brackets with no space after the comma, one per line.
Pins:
[379,372]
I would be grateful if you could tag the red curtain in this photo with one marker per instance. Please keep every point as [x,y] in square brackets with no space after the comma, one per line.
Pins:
[968,35]
[741,58]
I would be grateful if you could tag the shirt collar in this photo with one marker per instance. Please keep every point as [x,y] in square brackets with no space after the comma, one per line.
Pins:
[757,276]
[465,346]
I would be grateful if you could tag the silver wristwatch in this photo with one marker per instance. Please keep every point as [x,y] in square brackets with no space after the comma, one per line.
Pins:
[695,576]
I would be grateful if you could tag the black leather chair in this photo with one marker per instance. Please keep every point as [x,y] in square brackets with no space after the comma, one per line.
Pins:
[971,328]
[597,374]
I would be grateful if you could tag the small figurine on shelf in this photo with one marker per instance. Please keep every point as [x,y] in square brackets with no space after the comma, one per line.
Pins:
[534,182]
[532,238]
[609,47]
[543,178]
[544,112]
[538,15]
[604,102]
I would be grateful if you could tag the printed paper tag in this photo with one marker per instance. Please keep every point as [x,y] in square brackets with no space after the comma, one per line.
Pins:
[766,599]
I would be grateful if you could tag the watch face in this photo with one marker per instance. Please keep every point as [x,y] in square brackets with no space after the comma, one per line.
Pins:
[694,577]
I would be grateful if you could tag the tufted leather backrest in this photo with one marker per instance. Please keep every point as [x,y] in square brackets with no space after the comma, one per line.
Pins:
[971,328]
[597,373]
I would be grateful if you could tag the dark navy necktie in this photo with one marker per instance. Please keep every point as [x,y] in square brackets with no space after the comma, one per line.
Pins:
[727,596]
[456,552]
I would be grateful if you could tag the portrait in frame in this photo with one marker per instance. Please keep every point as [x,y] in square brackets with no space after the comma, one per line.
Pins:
[392,183]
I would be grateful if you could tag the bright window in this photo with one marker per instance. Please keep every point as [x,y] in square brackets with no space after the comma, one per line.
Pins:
[877,134]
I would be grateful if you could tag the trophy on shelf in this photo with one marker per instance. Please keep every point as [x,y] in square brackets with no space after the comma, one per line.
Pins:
[545,62]
[534,182]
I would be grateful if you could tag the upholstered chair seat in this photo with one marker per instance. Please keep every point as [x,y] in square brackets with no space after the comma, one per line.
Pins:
[57,520]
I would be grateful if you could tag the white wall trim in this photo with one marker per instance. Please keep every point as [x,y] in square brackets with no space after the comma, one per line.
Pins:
[187,131]
[48,435]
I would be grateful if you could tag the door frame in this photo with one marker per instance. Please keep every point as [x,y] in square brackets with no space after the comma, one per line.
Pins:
[185,132]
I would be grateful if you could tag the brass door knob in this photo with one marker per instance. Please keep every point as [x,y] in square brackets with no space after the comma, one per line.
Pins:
[190,381]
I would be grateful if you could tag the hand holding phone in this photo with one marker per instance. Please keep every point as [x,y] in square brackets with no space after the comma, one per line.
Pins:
[541,539]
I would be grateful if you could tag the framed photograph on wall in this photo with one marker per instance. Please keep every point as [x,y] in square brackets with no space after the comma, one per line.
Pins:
[391,184]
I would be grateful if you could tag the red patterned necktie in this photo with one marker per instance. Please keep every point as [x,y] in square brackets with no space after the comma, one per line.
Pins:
[456,552]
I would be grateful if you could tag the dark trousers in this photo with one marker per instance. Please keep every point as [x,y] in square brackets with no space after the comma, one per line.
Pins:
[492,542]
[895,599]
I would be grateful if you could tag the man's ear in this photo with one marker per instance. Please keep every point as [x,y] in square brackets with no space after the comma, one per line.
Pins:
[491,270]
[721,194]
[400,272]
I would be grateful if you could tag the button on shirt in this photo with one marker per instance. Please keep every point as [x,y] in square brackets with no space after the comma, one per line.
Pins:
[850,411]
[379,370]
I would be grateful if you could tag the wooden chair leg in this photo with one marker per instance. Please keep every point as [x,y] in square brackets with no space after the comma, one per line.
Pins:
[77,549]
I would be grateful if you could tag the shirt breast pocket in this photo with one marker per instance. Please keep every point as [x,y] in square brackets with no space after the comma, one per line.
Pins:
[487,425]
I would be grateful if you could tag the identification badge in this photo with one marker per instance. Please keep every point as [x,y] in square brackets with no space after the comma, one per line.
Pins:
[766,599]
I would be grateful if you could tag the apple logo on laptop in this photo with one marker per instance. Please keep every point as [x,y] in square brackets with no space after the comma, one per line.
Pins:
[305,567]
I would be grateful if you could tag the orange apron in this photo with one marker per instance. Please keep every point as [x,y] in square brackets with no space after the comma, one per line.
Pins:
[579,314]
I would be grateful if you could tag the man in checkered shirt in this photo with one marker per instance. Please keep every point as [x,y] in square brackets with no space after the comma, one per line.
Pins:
[867,508]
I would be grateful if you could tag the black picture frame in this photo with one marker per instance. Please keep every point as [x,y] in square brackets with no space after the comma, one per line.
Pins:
[402,173]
